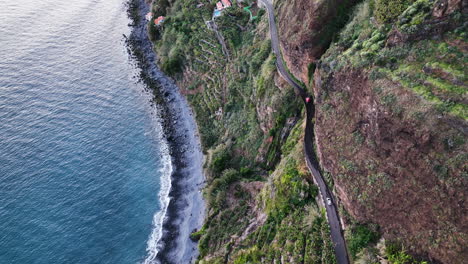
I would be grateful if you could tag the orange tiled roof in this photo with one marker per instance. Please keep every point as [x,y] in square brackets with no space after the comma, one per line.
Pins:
[158,20]
[226,3]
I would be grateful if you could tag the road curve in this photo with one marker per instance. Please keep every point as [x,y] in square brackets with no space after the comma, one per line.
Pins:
[276,50]
[332,213]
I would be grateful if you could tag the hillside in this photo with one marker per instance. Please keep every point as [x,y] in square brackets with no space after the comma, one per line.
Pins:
[390,95]
[393,101]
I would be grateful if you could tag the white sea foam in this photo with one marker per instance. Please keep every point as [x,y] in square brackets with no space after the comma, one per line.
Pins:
[165,173]
[158,218]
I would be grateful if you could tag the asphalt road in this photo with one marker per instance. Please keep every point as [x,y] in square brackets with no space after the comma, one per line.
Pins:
[332,212]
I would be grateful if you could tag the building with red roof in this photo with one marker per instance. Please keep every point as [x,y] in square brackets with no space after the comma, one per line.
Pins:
[226,3]
[219,6]
[159,20]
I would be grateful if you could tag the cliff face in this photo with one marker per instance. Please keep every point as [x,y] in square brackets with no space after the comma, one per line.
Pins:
[306,29]
[391,126]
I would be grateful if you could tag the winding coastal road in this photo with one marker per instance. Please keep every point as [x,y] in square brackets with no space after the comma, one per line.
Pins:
[332,212]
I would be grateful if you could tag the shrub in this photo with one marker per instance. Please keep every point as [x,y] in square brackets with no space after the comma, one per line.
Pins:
[203,245]
[216,191]
[153,32]
[386,11]
[196,235]
[360,237]
[262,54]
[348,165]
[366,256]
[357,27]
[441,171]
[220,161]
[252,255]
[172,65]
[389,100]
[396,254]
[358,137]
[376,74]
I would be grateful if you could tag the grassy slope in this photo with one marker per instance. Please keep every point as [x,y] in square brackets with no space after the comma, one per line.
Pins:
[228,96]
[433,69]
[242,107]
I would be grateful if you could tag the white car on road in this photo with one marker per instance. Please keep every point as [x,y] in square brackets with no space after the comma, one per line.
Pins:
[329,202]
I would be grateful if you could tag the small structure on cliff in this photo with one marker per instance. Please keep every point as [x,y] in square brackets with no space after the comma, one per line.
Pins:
[149,16]
[226,3]
[220,6]
[223,4]
[158,21]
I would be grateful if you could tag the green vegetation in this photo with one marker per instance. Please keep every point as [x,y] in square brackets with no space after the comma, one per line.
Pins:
[295,229]
[294,137]
[387,11]
[261,199]
[432,69]
[196,235]
[330,29]
[292,191]
[372,252]
[251,255]
[227,88]
[172,65]
[397,255]
[359,237]
[241,115]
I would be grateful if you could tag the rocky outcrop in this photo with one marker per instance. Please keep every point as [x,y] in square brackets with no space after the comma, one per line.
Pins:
[306,29]
[446,7]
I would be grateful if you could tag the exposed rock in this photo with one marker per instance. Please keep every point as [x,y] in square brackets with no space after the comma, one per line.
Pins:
[306,29]
[290,123]
[447,7]
[395,37]
[389,175]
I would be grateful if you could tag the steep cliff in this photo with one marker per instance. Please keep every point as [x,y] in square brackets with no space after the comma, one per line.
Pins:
[391,125]
[307,28]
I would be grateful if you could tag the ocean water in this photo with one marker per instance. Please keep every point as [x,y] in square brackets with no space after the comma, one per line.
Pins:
[83,162]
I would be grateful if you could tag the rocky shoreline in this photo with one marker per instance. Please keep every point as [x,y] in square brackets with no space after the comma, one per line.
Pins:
[186,208]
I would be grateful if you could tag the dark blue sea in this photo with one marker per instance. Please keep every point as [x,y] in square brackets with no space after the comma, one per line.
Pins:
[84,167]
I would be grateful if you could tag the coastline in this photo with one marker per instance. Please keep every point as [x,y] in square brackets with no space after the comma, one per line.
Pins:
[186,208]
